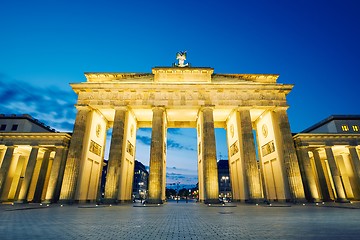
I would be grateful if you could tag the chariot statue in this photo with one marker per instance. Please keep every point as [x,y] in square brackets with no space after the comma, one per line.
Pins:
[181,57]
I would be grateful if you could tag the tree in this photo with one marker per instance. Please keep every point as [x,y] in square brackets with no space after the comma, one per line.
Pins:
[170,192]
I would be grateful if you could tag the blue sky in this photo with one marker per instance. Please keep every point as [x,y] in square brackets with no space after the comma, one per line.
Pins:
[45,45]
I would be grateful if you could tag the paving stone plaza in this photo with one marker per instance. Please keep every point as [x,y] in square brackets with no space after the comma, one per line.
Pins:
[180,221]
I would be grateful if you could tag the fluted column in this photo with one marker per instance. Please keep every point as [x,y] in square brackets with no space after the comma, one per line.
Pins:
[61,174]
[115,155]
[248,155]
[335,175]
[309,178]
[210,172]
[289,154]
[355,163]
[28,174]
[2,153]
[321,175]
[54,174]
[42,175]
[74,156]
[4,169]
[156,156]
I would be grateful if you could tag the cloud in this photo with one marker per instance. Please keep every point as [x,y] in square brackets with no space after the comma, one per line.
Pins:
[175,145]
[175,131]
[50,105]
[144,139]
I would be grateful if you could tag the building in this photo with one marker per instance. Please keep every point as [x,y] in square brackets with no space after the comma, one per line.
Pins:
[141,177]
[39,164]
[328,154]
[224,179]
[32,160]
[182,97]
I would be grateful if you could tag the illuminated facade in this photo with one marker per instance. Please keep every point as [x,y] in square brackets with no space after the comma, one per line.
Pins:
[329,159]
[188,97]
[224,179]
[140,184]
[32,160]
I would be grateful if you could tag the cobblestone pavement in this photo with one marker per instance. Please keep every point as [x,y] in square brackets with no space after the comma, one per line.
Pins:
[180,221]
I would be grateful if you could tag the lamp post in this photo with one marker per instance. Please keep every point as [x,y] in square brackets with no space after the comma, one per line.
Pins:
[224,179]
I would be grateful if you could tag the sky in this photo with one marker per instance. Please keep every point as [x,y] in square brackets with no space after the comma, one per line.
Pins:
[47,44]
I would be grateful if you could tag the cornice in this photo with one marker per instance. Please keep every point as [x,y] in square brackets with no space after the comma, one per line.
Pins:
[104,76]
[35,136]
[260,78]
[323,136]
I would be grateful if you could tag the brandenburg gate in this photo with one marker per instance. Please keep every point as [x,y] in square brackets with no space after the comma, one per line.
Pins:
[251,107]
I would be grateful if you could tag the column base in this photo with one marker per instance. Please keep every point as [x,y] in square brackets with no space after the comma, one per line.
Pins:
[66,201]
[342,200]
[109,201]
[299,200]
[255,200]
[153,201]
[315,200]
[212,201]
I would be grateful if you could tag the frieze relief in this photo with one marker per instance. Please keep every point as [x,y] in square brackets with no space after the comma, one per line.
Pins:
[190,97]
[234,149]
[95,148]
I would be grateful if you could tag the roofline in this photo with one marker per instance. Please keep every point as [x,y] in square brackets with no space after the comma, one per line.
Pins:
[30,118]
[331,118]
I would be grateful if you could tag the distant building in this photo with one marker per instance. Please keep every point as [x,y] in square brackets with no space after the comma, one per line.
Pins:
[345,124]
[224,178]
[22,123]
[103,178]
[32,160]
[328,154]
[140,184]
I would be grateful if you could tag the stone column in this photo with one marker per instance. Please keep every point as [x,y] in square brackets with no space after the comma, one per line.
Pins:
[210,172]
[156,156]
[289,154]
[42,175]
[61,174]
[28,174]
[355,163]
[74,156]
[54,174]
[308,174]
[335,175]
[115,156]
[248,155]
[4,169]
[320,172]
[2,153]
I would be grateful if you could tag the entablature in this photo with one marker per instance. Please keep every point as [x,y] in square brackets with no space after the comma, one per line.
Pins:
[319,139]
[55,139]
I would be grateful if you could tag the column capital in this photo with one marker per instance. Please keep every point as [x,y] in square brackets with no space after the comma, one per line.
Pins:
[60,146]
[281,108]
[303,147]
[319,149]
[10,145]
[239,108]
[207,107]
[352,146]
[121,108]
[160,107]
[82,107]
